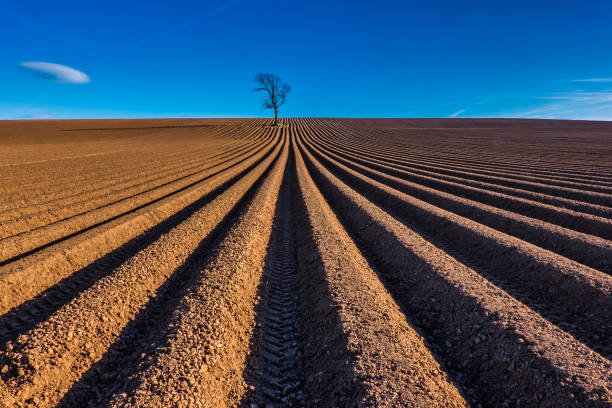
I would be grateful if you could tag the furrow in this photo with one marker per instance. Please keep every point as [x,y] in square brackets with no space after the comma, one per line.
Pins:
[63,187]
[55,182]
[359,350]
[444,166]
[569,294]
[501,352]
[455,153]
[27,315]
[587,249]
[323,262]
[12,248]
[469,187]
[206,339]
[26,278]
[121,162]
[578,221]
[46,361]
[274,367]
[538,184]
[105,193]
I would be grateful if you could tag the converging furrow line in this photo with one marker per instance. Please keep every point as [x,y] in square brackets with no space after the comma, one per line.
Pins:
[277,377]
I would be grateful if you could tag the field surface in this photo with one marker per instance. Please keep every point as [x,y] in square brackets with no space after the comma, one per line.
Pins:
[325,263]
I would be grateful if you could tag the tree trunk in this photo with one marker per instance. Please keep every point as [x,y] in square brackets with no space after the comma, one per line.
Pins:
[275,117]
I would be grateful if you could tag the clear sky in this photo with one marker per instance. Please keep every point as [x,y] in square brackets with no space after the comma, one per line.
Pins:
[540,59]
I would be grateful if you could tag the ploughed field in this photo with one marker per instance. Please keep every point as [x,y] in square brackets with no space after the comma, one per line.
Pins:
[329,262]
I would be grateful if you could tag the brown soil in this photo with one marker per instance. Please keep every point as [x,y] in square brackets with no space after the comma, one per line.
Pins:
[327,262]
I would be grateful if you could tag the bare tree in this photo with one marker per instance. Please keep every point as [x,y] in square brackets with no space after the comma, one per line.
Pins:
[277,92]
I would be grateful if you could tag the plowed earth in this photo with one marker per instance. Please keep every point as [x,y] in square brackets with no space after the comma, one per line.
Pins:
[328,262]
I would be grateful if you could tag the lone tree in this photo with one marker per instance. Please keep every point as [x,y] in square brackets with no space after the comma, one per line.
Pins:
[277,92]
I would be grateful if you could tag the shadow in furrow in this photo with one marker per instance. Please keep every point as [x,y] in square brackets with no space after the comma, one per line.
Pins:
[574,249]
[493,364]
[133,210]
[483,256]
[135,348]
[227,155]
[30,313]
[328,366]
[274,366]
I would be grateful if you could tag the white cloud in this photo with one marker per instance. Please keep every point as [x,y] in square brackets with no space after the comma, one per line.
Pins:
[455,114]
[56,72]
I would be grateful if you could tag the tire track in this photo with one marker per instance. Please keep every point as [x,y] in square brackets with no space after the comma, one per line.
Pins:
[30,313]
[205,341]
[275,363]
[328,262]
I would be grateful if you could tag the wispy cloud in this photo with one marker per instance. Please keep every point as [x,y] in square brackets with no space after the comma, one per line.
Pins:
[572,105]
[455,114]
[593,80]
[40,116]
[24,112]
[13,111]
[56,72]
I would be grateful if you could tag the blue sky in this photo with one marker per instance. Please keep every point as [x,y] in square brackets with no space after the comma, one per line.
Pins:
[540,59]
